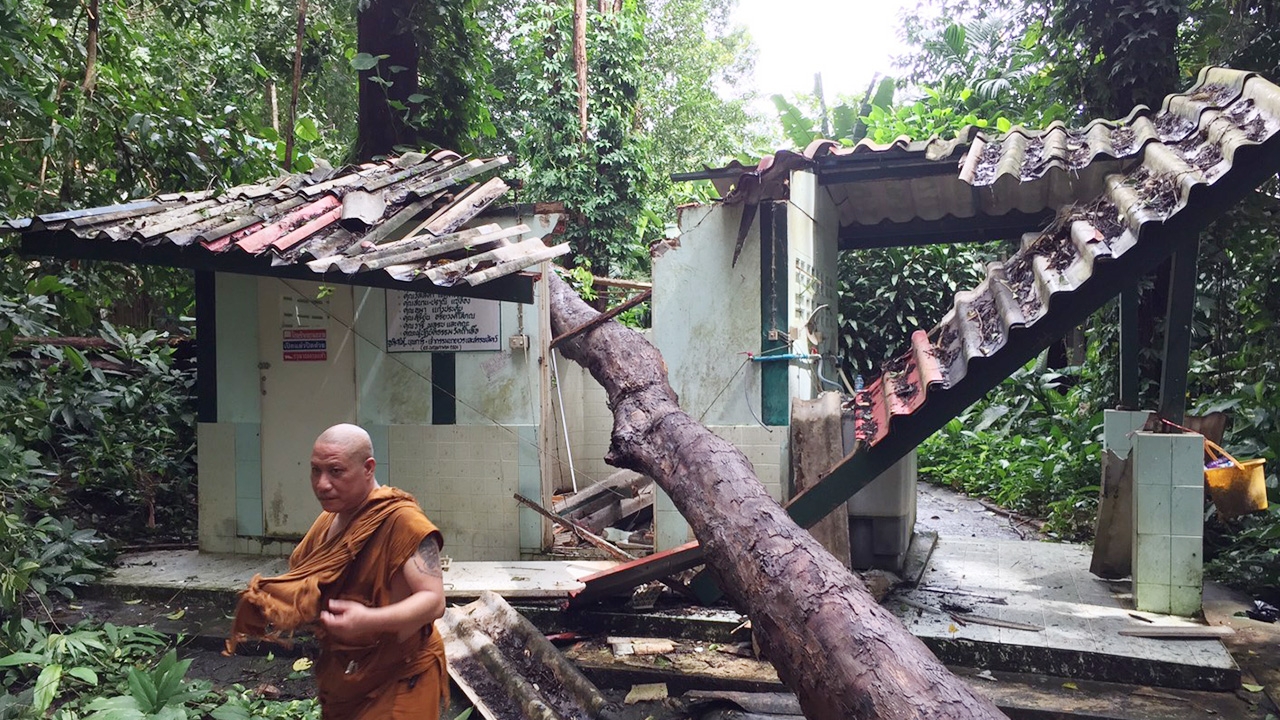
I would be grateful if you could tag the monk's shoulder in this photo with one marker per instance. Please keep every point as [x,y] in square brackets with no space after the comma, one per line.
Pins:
[409,526]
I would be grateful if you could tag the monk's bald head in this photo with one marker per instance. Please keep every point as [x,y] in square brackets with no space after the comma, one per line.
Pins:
[342,467]
[352,439]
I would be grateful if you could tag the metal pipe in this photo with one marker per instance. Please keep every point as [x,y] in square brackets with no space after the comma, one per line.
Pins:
[787,356]
[555,370]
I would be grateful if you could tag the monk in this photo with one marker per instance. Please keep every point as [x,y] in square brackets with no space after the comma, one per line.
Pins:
[366,579]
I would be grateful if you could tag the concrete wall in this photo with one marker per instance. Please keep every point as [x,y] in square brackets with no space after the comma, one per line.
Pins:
[706,312]
[813,226]
[463,474]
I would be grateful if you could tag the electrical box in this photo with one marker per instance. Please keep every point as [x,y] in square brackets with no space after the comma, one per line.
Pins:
[519,342]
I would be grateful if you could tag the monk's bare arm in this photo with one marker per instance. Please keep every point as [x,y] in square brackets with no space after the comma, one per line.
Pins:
[424,603]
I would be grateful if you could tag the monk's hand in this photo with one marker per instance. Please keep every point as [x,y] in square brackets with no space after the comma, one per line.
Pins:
[348,621]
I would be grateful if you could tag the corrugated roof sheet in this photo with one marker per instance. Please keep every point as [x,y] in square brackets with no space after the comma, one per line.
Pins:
[1197,140]
[980,173]
[398,218]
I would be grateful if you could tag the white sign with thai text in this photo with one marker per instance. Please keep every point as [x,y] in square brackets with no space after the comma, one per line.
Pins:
[419,322]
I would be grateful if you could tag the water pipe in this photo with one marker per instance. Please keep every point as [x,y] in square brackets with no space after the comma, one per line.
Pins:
[784,356]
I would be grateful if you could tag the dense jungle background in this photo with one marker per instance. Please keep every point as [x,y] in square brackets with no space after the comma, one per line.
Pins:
[103,100]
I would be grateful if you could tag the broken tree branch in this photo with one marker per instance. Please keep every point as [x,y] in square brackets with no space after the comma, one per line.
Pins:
[845,656]
[602,318]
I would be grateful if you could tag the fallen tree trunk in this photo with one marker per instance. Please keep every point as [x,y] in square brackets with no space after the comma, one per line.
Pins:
[841,653]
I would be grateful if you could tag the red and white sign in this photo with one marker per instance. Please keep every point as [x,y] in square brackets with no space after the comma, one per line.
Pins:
[305,344]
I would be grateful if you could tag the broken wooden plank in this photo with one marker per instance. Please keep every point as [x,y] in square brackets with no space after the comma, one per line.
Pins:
[621,484]
[1179,632]
[624,577]
[640,646]
[646,692]
[580,532]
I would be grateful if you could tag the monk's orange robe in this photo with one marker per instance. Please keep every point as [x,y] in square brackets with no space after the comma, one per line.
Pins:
[386,678]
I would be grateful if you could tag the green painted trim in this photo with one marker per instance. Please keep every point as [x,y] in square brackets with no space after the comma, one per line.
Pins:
[1177,333]
[238,389]
[444,388]
[774,385]
[1129,373]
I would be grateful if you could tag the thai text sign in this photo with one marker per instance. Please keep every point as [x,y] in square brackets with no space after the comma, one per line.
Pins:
[418,322]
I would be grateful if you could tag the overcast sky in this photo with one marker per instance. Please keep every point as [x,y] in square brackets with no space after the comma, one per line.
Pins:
[848,41]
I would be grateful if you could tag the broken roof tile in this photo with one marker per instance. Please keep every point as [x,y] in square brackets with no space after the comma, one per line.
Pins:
[289,221]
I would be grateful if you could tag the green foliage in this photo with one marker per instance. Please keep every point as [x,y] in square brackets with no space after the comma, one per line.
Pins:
[886,293]
[1033,445]
[603,179]
[1249,556]
[158,694]
[49,664]
[44,556]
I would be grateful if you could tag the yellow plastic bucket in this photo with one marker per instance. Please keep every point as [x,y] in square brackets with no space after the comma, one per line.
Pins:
[1236,489]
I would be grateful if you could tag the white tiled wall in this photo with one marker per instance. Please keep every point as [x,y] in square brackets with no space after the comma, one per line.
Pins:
[464,477]
[764,447]
[1168,528]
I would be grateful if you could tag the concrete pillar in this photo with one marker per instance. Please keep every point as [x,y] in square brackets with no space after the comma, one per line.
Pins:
[670,529]
[1168,522]
[1113,536]
[882,516]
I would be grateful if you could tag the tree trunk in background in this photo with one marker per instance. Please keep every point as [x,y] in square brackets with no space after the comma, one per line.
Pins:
[580,61]
[843,655]
[384,28]
[91,49]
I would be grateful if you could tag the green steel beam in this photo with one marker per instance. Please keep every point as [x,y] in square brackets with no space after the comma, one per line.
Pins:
[775,395]
[1129,374]
[1177,331]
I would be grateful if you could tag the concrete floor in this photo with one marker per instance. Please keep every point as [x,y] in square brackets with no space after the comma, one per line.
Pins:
[976,566]
[191,571]
[1048,586]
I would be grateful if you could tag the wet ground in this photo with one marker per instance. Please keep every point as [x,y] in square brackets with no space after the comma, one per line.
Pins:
[952,515]
[270,671]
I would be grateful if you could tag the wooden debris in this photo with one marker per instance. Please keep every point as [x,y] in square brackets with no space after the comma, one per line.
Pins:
[640,646]
[646,692]
[603,317]
[1179,632]
[580,532]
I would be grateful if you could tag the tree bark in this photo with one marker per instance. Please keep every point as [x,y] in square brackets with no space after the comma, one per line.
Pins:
[383,27]
[580,61]
[91,49]
[297,81]
[843,655]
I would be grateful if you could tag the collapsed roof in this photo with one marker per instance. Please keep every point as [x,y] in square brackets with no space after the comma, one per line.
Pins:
[399,223]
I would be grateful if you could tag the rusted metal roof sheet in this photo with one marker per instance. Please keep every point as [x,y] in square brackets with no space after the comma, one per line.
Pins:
[984,174]
[399,219]
[1195,142]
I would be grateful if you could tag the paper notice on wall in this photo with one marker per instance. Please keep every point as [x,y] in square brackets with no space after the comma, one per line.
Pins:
[297,311]
[305,345]
[418,322]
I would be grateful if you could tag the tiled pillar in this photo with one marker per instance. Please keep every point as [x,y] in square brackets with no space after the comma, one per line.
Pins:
[1118,427]
[1168,527]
